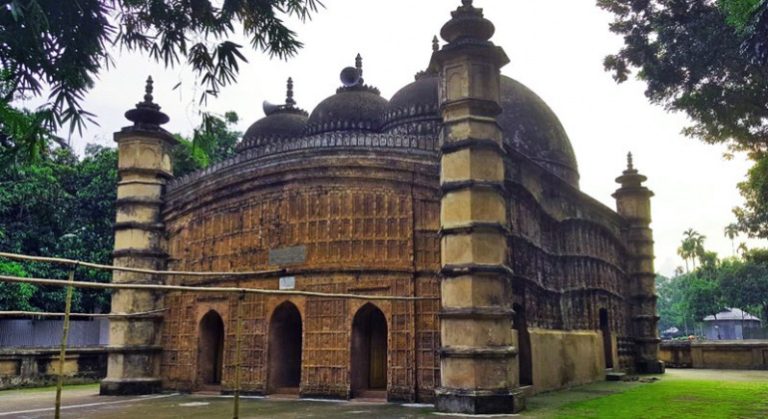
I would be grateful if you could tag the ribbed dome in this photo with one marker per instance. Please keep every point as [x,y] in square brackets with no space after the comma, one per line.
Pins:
[532,128]
[352,108]
[281,124]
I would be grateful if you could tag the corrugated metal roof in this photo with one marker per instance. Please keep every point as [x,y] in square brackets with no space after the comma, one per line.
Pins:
[731,314]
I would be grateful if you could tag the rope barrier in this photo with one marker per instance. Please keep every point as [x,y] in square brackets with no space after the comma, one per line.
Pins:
[150,313]
[219,290]
[63,261]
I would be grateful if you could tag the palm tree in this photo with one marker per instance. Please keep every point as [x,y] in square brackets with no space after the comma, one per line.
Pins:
[742,249]
[732,231]
[684,253]
[692,247]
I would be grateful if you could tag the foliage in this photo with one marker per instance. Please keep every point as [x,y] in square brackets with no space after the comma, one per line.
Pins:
[686,299]
[709,60]
[23,134]
[15,296]
[61,46]
[59,206]
[692,247]
[62,206]
[671,303]
[213,141]
[689,57]
[752,218]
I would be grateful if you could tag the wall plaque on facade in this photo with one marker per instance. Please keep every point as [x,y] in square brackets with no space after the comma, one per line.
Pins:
[287,282]
[288,255]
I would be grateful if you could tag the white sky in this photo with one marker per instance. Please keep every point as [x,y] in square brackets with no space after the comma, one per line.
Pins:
[556,47]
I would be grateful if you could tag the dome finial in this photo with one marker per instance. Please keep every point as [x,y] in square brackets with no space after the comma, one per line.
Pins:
[148,90]
[435,44]
[289,101]
[147,113]
[359,64]
[630,166]
[466,3]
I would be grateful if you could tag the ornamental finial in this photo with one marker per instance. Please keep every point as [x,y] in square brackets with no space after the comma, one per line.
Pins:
[466,3]
[435,44]
[148,90]
[630,166]
[289,101]
[359,64]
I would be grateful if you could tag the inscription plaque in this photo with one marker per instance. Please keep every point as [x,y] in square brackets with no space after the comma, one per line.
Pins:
[287,282]
[288,255]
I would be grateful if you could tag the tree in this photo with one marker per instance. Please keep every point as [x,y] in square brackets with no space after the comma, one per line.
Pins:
[704,298]
[752,218]
[731,231]
[59,206]
[688,53]
[691,247]
[62,206]
[213,141]
[61,46]
[709,60]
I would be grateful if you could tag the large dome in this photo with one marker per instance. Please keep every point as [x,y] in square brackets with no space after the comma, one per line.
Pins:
[532,128]
[529,125]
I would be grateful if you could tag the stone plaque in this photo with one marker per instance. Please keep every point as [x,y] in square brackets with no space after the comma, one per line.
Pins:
[288,255]
[287,282]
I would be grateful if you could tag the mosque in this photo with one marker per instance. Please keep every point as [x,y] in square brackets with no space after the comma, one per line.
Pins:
[462,187]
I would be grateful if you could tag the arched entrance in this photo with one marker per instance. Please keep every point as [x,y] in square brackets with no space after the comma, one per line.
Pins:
[285,349]
[524,356]
[210,356]
[369,351]
[605,328]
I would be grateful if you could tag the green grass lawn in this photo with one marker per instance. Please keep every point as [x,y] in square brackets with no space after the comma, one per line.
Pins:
[681,393]
[677,398]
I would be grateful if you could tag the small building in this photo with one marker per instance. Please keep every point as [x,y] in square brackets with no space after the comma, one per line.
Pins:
[729,324]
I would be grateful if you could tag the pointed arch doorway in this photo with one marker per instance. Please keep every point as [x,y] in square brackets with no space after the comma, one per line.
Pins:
[210,357]
[524,355]
[369,353]
[605,330]
[285,344]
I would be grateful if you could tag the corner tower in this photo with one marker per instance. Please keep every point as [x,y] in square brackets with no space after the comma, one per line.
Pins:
[478,355]
[633,202]
[144,166]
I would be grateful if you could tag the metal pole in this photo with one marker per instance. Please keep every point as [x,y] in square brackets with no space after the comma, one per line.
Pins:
[238,333]
[63,346]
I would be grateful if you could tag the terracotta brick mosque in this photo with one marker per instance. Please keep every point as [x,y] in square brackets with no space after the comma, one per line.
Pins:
[463,187]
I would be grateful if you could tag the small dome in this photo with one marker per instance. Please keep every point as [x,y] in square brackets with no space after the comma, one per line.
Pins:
[349,109]
[355,106]
[532,128]
[283,123]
